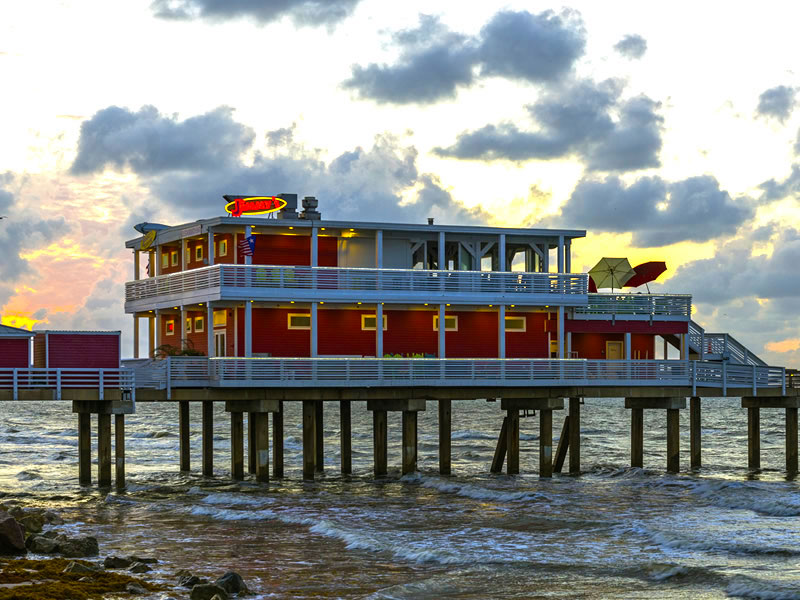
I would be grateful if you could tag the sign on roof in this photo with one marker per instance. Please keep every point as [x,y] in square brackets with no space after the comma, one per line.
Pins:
[253,205]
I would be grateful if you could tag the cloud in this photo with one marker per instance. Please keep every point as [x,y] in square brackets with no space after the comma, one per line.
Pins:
[777,102]
[301,12]
[657,212]
[632,46]
[574,121]
[434,62]
[787,345]
[148,142]
[778,190]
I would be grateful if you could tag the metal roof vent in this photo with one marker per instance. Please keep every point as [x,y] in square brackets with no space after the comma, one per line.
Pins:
[310,212]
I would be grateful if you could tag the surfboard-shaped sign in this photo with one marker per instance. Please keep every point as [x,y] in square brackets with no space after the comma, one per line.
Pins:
[148,240]
[253,205]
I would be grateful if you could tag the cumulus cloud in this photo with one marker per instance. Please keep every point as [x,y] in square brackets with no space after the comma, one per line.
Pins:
[777,102]
[148,142]
[577,120]
[657,212]
[631,46]
[301,12]
[435,62]
[779,189]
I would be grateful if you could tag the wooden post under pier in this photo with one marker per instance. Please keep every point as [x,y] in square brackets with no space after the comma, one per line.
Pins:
[409,441]
[258,411]
[85,448]
[575,435]
[545,443]
[754,404]
[791,441]
[637,437]
[277,442]
[184,434]
[753,438]
[673,440]
[694,432]
[500,449]
[309,439]
[672,405]
[445,436]
[380,442]
[237,446]
[119,451]
[512,406]
[319,442]
[512,441]
[251,443]
[103,409]
[262,446]
[379,409]
[563,446]
[345,437]
[103,450]
[208,438]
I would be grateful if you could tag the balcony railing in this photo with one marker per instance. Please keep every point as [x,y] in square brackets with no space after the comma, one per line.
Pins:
[661,305]
[61,379]
[394,372]
[270,282]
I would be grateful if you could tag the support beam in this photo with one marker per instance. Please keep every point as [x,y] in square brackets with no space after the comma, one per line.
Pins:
[512,442]
[409,441]
[211,351]
[104,450]
[575,436]
[277,442]
[380,442]
[791,441]
[673,440]
[251,442]
[501,331]
[84,448]
[545,443]
[500,449]
[208,439]
[346,436]
[319,442]
[379,330]
[694,432]
[183,435]
[237,446]
[314,329]
[561,344]
[563,446]
[445,436]
[262,446]
[442,332]
[754,438]
[637,437]
[119,451]
[135,335]
[248,328]
[309,439]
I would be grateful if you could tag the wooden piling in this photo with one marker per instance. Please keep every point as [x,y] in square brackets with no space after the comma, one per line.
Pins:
[309,439]
[563,446]
[84,448]
[183,434]
[694,432]
[277,442]
[545,443]
[237,446]
[104,450]
[346,436]
[409,441]
[208,439]
[673,440]
[319,443]
[445,434]
[575,436]
[753,438]
[261,445]
[512,442]
[380,442]
[119,451]
[500,449]
[637,437]
[251,442]
[791,441]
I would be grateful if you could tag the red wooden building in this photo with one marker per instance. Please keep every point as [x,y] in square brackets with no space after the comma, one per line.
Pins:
[15,347]
[76,349]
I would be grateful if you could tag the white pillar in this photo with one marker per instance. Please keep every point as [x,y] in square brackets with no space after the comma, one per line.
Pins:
[182,325]
[211,248]
[379,330]
[442,331]
[135,336]
[183,262]
[313,331]
[379,249]
[210,330]
[569,344]
[314,247]
[560,254]
[501,331]
[157,328]
[501,252]
[561,332]
[248,231]
[628,355]
[442,255]
[568,256]
[248,329]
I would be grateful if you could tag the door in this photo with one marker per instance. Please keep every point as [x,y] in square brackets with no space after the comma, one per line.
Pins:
[219,343]
[614,351]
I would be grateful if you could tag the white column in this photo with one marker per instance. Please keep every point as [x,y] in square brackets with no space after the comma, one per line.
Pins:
[248,329]
[442,332]
[135,336]
[561,332]
[569,344]
[501,251]
[379,330]
[501,331]
[248,231]
[560,254]
[184,263]
[628,355]
[442,255]
[379,249]
[211,248]
[210,330]
[314,247]
[546,257]
[568,256]
[313,331]
[157,327]
[182,325]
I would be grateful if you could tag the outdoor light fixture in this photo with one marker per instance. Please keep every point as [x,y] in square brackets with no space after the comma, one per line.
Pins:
[322,229]
[291,227]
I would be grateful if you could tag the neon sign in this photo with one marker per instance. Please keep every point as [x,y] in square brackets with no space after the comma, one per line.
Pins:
[253,205]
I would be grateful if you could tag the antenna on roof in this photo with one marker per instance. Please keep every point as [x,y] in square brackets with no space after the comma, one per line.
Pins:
[430,220]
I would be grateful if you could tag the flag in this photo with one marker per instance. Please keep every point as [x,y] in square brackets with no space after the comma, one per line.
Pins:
[147,268]
[247,246]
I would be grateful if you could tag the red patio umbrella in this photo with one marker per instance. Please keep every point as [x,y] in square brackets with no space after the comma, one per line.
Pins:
[645,273]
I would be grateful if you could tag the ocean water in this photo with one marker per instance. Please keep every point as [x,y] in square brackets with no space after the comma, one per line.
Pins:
[613,532]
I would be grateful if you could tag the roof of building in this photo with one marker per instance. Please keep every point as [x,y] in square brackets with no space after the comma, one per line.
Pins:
[80,331]
[8,331]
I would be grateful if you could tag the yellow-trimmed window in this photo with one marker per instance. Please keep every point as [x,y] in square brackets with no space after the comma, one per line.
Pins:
[220,318]
[299,321]
[368,322]
[174,258]
[188,325]
[198,252]
[450,323]
[199,324]
[223,248]
[164,259]
[515,324]
[170,327]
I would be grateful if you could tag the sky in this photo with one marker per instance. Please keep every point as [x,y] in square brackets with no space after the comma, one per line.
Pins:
[667,131]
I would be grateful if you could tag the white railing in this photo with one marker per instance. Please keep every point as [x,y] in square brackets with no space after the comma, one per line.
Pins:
[722,344]
[266,277]
[393,372]
[59,379]
[674,305]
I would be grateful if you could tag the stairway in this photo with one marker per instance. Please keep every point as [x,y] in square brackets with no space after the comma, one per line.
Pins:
[716,346]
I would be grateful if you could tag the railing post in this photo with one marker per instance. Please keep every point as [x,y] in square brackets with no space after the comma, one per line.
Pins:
[169,378]
[693,369]
[702,345]
[15,384]
[58,385]
[724,378]
[755,391]
[783,381]
[101,395]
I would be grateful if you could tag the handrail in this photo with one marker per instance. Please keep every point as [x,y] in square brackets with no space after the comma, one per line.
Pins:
[678,305]
[722,344]
[35,378]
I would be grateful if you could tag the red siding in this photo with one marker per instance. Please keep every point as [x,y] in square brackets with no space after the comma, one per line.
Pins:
[593,345]
[294,250]
[228,258]
[657,327]
[14,352]
[271,333]
[476,336]
[168,250]
[340,333]
[531,343]
[39,357]
[83,350]
[410,332]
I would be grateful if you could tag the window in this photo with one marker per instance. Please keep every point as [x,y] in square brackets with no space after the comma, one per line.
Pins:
[450,323]
[368,322]
[174,258]
[220,318]
[199,324]
[164,259]
[170,327]
[188,258]
[198,252]
[299,321]
[188,325]
[515,323]
[223,248]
